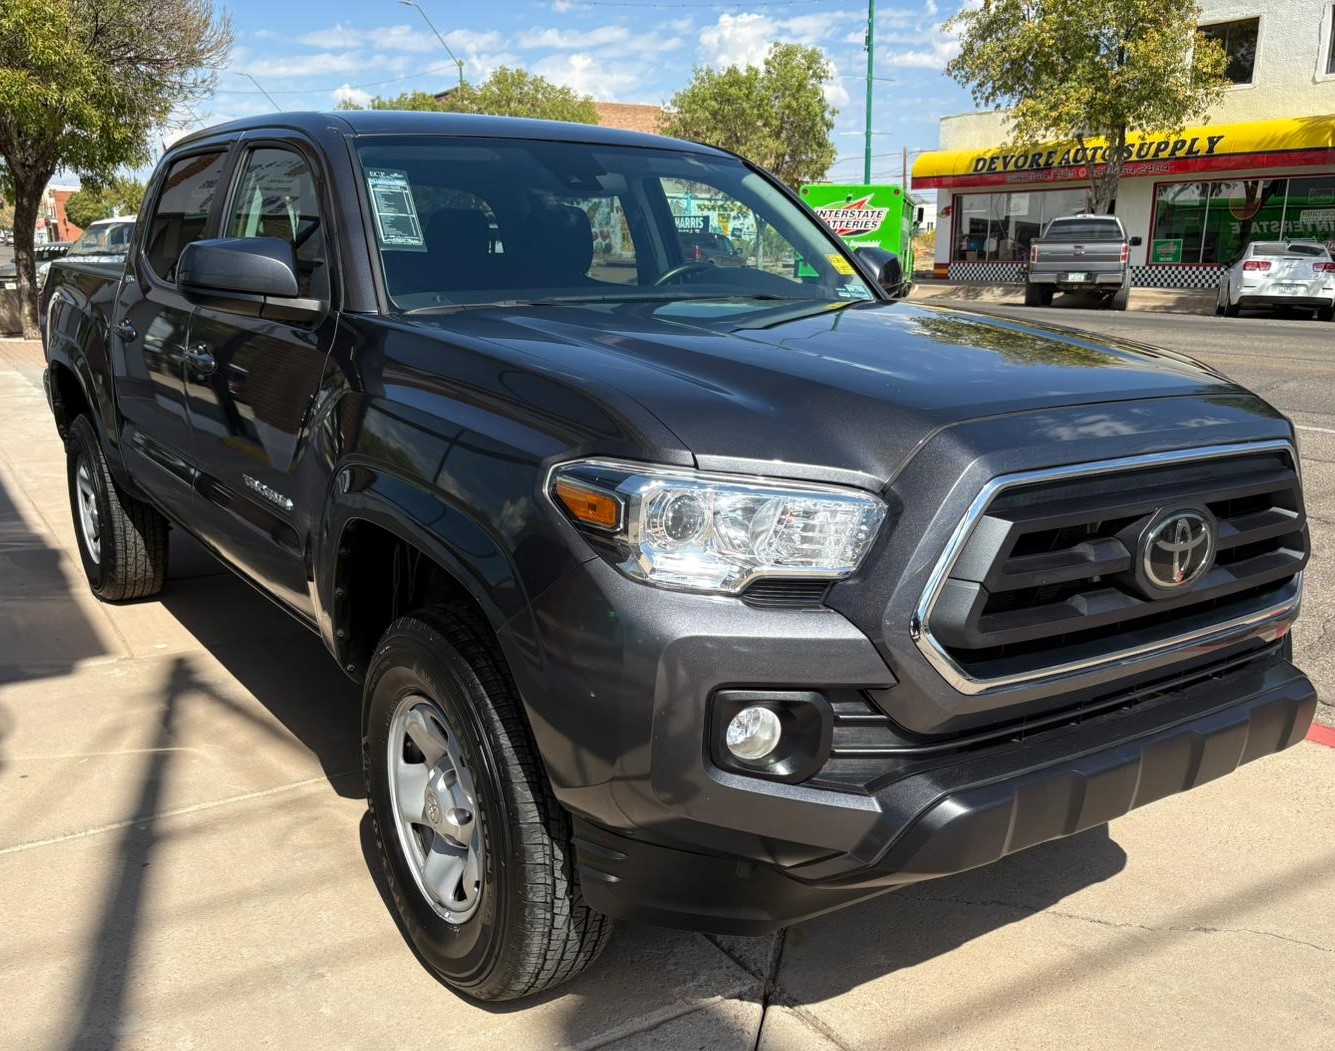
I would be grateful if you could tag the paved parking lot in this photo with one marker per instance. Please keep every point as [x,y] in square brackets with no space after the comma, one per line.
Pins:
[186,860]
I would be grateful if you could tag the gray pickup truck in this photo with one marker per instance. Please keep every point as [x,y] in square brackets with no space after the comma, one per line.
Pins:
[1081,253]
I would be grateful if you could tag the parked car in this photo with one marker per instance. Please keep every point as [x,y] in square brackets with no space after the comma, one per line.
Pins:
[1081,253]
[715,599]
[1290,275]
[711,248]
[105,241]
[43,255]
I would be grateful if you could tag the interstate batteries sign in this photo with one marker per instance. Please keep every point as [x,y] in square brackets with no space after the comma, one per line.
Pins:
[1295,142]
[861,215]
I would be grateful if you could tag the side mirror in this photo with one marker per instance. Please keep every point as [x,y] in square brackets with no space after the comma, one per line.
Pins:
[1137,241]
[255,276]
[919,216]
[885,265]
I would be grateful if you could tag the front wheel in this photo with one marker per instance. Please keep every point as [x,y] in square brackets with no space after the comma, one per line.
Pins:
[122,541]
[476,849]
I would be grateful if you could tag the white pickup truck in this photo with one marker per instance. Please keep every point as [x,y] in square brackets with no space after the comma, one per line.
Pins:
[1081,253]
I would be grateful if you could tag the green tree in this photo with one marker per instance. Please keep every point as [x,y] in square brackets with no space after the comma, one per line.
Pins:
[1076,70]
[506,93]
[83,84]
[776,116]
[118,195]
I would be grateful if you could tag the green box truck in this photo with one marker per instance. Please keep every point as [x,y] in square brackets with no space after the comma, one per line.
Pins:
[876,216]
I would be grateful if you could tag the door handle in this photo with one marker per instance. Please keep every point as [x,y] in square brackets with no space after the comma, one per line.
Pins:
[126,330]
[200,360]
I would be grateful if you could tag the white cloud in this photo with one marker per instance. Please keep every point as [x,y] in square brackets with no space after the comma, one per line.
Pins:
[938,50]
[744,39]
[587,75]
[310,65]
[569,39]
[405,38]
[347,93]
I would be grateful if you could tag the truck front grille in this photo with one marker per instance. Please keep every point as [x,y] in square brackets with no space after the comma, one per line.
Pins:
[1042,575]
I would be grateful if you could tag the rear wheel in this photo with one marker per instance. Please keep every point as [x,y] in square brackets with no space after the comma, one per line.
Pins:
[1326,313]
[1119,299]
[1230,308]
[475,847]
[1037,296]
[122,541]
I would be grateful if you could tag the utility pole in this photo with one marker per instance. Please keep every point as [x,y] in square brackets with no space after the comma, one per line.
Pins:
[457,61]
[871,68]
[904,177]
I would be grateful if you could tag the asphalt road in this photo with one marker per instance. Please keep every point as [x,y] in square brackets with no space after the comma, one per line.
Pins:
[1291,363]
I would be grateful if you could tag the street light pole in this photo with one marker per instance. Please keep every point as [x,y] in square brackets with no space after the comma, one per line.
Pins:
[871,65]
[457,61]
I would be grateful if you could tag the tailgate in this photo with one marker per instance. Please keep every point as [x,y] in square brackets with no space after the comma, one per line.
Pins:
[1099,257]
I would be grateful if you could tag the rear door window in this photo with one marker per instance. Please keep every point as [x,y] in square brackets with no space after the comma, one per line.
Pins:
[182,211]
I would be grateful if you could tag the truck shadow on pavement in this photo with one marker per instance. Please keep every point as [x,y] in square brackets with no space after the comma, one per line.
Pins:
[290,673]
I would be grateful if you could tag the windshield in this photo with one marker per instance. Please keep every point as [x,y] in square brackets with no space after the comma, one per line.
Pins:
[104,239]
[463,222]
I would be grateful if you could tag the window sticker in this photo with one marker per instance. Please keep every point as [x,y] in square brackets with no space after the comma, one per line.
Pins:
[853,292]
[840,264]
[395,211]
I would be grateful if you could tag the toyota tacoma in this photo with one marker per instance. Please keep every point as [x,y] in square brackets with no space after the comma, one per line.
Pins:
[710,597]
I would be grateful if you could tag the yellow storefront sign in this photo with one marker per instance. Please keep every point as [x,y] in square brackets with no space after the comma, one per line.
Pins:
[1295,142]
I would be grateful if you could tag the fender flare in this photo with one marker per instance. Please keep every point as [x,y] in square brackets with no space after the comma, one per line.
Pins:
[442,531]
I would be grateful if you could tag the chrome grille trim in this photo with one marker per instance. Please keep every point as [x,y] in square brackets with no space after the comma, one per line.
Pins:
[1258,622]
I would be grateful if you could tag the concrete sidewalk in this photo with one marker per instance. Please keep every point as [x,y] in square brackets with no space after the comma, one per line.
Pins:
[186,863]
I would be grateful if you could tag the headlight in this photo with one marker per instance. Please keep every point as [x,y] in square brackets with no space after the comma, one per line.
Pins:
[686,529]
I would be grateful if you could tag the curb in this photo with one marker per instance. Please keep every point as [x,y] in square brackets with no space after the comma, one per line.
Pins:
[1319,734]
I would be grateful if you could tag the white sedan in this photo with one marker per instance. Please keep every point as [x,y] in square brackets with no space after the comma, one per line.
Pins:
[1289,274]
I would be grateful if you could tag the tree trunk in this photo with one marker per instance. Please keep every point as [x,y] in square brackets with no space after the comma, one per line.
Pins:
[1103,181]
[28,190]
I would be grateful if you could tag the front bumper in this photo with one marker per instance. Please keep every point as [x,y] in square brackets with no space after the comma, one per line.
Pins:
[968,811]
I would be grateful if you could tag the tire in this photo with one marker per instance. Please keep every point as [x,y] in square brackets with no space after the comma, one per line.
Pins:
[1230,308]
[526,927]
[1119,299]
[1326,313]
[1036,296]
[123,541]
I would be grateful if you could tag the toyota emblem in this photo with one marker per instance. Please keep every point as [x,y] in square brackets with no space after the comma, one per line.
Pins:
[1177,550]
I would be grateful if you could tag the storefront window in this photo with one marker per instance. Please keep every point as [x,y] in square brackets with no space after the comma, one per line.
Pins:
[1212,222]
[1001,226]
[1310,215]
[1239,213]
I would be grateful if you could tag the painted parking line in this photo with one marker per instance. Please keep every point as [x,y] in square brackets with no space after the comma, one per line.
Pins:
[1319,430]
[1322,735]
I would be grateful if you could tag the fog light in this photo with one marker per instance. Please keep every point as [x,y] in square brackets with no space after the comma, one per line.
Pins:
[753,733]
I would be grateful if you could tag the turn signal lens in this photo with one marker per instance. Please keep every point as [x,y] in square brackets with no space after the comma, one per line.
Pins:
[585,505]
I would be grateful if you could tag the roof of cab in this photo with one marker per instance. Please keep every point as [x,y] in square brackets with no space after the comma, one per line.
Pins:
[398,122]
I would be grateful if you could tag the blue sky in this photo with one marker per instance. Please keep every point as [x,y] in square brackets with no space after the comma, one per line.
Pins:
[310,56]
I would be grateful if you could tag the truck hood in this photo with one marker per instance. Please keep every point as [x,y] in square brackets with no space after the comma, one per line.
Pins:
[856,388]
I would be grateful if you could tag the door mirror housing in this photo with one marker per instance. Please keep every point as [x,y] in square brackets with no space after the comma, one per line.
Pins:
[1137,241]
[885,265]
[255,276]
